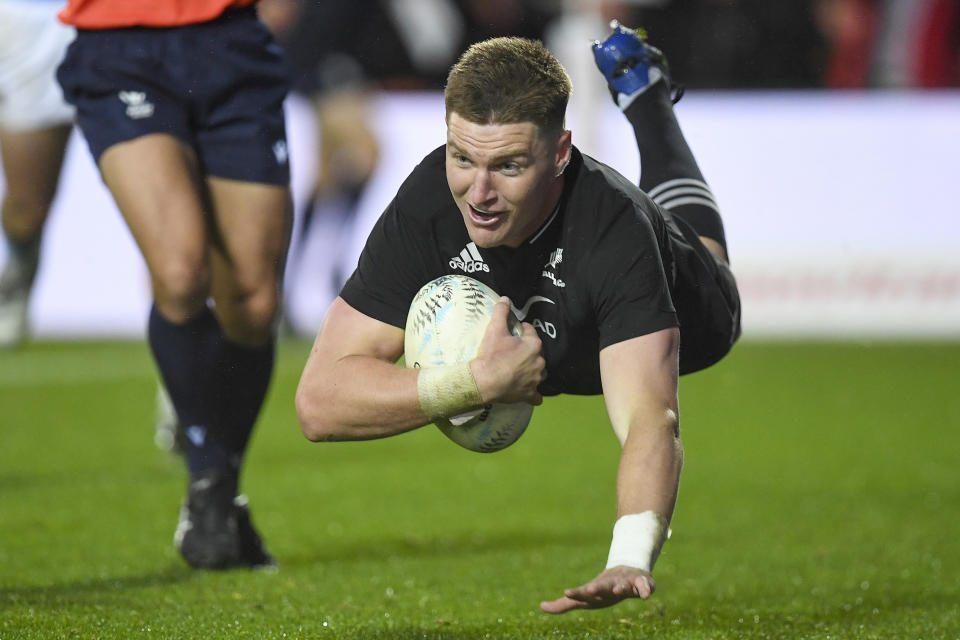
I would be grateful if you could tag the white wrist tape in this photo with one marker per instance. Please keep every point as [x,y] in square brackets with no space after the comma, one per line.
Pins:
[637,539]
[448,390]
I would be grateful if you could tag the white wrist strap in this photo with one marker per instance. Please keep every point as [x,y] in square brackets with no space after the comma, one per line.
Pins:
[447,390]
[637,539]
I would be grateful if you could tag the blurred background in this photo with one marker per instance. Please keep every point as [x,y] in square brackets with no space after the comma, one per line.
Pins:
[828,130]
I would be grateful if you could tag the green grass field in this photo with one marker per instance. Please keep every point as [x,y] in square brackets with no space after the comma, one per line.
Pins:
[820,499]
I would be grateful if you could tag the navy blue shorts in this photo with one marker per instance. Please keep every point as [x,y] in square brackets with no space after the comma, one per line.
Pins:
[218,86]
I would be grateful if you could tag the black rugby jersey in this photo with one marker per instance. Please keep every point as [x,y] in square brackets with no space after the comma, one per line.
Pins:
[599,270]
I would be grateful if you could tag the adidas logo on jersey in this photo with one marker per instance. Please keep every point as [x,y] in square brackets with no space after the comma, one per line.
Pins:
[469,260]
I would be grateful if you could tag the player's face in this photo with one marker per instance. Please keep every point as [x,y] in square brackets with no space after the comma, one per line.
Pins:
[505,178]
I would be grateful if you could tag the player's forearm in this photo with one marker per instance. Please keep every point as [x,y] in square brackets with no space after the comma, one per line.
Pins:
[358,398]
[650,464]
[647,482]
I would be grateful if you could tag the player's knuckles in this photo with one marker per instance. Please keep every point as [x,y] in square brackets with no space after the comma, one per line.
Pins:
[636,588]
[647,588]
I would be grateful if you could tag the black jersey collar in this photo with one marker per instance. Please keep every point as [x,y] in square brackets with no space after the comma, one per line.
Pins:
[570,173]
[546,225]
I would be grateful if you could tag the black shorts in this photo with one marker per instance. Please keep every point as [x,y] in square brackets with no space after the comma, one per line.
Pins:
[707,302]
[218,86]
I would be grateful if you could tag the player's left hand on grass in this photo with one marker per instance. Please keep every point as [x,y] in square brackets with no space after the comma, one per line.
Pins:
[607,589]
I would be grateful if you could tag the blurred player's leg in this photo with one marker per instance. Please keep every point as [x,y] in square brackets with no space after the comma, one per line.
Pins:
[171,220]
[638,76]
[35,124]
[348,157]
[31,166]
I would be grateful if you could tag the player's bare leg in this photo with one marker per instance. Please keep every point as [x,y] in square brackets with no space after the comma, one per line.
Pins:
[252,223]
[155,182]
[31,164]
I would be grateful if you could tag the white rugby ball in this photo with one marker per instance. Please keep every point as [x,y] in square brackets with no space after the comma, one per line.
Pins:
[445,324]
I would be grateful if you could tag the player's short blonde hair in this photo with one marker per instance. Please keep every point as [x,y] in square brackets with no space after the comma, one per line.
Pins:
[509,81]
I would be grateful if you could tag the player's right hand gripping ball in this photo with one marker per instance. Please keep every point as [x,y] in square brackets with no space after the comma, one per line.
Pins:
[445,325]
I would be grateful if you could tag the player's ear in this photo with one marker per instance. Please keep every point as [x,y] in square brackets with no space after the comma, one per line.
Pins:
[564,151]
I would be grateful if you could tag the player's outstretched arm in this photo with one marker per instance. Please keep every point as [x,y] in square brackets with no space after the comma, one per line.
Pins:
[640,378]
